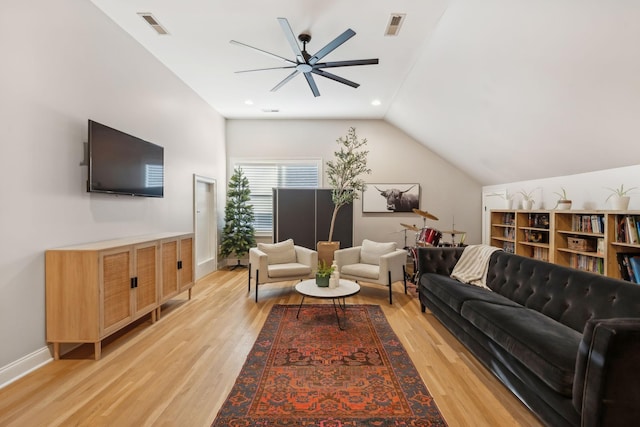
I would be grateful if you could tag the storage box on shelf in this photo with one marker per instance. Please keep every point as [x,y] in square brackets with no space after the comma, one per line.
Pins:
[95,289]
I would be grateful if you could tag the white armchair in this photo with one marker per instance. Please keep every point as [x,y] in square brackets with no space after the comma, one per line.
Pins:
[280,262]
[373,262]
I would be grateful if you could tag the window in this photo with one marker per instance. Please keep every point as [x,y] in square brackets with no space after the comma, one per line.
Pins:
[263,176]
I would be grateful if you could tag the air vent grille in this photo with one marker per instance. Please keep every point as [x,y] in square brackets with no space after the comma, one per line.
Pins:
[395,22]
[153,23]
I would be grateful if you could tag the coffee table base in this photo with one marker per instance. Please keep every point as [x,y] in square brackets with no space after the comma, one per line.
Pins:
[346,288]
[343,307]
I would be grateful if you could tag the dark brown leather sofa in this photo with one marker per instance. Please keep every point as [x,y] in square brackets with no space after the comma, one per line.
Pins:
[565,342]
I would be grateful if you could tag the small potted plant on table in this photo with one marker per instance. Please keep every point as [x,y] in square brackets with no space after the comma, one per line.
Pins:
[323,274]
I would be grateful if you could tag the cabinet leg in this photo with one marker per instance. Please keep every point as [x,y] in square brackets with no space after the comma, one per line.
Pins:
[154,315]
[56,351]
[190,293]
[157,312]
[97,349]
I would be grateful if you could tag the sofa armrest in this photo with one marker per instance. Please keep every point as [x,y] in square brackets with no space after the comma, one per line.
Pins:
[347,256]
[307,256]
[606,389]
[438,260]
[393,262]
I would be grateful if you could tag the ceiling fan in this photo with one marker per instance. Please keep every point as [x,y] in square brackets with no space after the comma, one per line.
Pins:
[308,64]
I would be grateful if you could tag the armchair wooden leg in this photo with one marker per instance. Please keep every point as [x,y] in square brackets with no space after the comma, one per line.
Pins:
[390,294]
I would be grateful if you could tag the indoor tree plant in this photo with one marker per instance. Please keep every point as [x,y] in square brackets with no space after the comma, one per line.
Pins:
[238,234]
[619,197]
[344,175]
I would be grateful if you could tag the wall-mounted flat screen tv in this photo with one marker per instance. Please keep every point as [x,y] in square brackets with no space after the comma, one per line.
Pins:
[123,164]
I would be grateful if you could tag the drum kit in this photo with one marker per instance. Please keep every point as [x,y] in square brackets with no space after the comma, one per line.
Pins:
[425,237]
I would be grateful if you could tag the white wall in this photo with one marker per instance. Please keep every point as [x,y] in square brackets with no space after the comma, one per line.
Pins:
[64,62]
[586,190]
[393,157]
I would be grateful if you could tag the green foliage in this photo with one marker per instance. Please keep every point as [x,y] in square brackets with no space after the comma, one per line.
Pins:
[344,172]
[324,269]
[238,234]
[562,194]
[620,192]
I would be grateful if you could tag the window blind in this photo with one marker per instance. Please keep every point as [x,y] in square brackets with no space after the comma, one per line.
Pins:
[265,176]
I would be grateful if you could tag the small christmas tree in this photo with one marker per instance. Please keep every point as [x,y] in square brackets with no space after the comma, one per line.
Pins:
[238,235]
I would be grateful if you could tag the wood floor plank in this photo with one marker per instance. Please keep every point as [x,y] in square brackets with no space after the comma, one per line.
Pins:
[179,370]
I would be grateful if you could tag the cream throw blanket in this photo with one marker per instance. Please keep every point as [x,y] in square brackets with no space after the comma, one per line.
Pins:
[473,265]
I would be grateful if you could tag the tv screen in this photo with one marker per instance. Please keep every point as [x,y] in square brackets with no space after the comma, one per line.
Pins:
[123,164]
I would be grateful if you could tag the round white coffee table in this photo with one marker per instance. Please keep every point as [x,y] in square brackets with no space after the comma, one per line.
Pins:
[346,288]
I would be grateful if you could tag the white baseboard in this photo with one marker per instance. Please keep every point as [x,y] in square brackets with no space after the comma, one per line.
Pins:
[23,366]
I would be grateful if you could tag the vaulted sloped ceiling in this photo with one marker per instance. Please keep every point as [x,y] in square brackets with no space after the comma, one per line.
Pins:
[507,90]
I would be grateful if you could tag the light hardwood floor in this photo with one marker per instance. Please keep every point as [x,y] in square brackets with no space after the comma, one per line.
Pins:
[178,371]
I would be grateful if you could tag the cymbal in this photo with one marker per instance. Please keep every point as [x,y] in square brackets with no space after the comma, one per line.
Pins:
[425,214]
[410,227]
[453,232]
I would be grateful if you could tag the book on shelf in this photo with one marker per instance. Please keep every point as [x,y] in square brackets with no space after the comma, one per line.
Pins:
[587,263]
[630,223]
[629,266]
[635,267]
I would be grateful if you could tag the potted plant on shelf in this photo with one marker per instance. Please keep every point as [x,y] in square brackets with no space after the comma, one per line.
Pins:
[507,197]
[619,197]
[527,199]
[563,202]
[323,274]
[343,173]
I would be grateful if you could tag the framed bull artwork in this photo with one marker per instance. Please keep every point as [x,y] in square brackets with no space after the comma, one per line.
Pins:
[391,198]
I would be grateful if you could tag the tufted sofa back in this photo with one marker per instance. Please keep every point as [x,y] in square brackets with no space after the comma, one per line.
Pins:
[569,296]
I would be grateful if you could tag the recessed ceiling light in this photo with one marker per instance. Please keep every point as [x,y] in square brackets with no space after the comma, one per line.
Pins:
[248,102]
[376,102]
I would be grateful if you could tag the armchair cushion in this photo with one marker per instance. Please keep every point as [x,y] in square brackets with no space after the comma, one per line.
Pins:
[289,270]
[371,252]
[367,271]
[279,253]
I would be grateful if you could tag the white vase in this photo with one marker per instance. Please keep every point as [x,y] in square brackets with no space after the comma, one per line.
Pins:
[564,205]
[527,204]
[620,203]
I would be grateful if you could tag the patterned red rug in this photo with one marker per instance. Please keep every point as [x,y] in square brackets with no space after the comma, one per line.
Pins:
[307,372]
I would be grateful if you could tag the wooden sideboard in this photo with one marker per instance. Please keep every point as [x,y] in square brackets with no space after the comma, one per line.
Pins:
[95,289]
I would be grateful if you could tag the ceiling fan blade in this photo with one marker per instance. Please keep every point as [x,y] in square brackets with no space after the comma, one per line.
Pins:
[291,38]
[264,52]
[312,84]
[286,79]
[264,69]
[334,77]
[332,45]
[346,63]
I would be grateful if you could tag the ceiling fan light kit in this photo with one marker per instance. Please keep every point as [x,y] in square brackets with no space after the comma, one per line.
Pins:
[307,64]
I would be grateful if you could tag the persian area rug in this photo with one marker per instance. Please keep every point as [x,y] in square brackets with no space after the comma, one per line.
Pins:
[307,372]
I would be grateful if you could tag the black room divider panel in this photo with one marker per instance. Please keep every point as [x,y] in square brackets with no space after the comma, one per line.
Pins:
[304,215]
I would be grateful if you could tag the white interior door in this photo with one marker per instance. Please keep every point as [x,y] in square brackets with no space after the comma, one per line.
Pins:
[490,200]
[206,231]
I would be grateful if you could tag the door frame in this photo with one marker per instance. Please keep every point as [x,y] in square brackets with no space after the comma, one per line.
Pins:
[213,219]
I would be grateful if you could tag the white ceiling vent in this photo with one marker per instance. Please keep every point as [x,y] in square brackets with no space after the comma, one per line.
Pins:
[395,22]
[153,22]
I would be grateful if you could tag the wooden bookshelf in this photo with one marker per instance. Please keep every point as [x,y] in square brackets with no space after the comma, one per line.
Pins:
[590,240]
